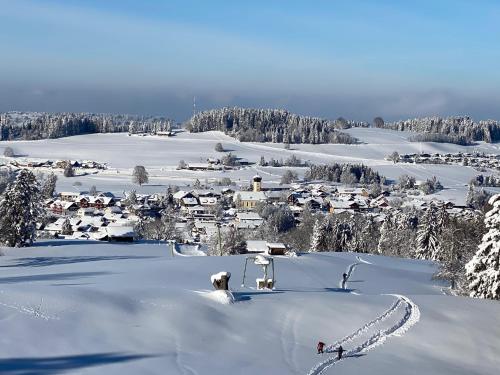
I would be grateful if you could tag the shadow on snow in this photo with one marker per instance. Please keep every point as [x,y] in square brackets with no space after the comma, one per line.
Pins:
[49,277]
[53,261]
[56,365]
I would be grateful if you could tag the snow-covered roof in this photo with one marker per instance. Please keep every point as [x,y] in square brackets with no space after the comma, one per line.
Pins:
[208,200]
[119,231]
[190,201]
[181,194]
[256,246]
[248,216]
[251,195]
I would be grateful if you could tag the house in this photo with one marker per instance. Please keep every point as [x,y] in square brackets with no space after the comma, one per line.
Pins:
[276,248]
[208,201]
[337,206]
[313,203]
[248,220]
[268,248]
[120,234]
[61,207]
[189,202]
[85,211]
[249,199]
[256,246]
[100,202]
[69,196]
[347,191]
[181,194]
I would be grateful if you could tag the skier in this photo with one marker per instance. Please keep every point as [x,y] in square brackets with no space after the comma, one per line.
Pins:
[320,347]
[339,351]
[344,280]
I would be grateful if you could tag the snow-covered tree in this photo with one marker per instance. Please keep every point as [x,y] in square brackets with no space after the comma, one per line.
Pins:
[181,165]
[8,152]
[20,209]
[36,125]
[428,245]
[386,231]
[49,186]
[66,228]
[231,242]
[140,175]
[288,177]
[271,125]
[68,170]
[469,200]
[93,190]
[462,129]
[322,229]
[130,199]
[483,271]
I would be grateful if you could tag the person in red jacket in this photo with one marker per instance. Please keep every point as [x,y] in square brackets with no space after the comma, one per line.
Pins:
[321,346]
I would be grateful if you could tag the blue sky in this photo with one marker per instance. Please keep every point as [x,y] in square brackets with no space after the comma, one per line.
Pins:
[352,58]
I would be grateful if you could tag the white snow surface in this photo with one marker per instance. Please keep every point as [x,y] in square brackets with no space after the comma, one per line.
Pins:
[85,307]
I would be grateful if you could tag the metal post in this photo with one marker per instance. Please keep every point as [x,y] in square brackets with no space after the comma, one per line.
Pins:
[220,239]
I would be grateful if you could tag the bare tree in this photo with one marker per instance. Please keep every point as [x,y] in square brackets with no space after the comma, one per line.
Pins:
[181,165]
[69,170]
[289,177]
[8,151]
[93,191]
[140,175]
[378,122]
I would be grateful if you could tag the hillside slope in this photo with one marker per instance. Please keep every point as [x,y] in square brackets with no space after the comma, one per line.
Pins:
[92,308]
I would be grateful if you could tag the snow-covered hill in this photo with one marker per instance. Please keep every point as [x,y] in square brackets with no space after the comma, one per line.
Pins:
[93,308]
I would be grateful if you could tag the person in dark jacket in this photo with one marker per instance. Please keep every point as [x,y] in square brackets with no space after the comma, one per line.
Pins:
[340,351]
[344,280]
[321,346]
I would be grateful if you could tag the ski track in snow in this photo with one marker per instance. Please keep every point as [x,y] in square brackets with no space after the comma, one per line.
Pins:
[410,317]
[290,350]
[181,366]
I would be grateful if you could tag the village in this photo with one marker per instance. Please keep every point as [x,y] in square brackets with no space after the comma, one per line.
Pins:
[202,214]
[476,160]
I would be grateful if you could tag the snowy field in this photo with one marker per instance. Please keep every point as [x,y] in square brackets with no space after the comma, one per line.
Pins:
[93,308]
[161,155]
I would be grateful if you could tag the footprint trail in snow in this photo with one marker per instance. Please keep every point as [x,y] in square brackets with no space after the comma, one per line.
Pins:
[375,332]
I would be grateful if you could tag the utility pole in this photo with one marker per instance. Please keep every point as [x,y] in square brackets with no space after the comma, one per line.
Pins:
[219,238]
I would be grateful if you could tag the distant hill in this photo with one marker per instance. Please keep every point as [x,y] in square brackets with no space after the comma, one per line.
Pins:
[41,125]
[272,125]
[464,127]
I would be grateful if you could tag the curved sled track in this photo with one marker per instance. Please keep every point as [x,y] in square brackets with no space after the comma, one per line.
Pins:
[410,317]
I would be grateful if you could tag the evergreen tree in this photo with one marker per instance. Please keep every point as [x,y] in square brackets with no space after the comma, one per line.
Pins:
[130,199]
[66,228]
[93,190]
[69,170]
[49,186]
[319,238]
[19,210]
[385,233]
[428,246]
[469,200]
[483,271]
